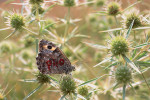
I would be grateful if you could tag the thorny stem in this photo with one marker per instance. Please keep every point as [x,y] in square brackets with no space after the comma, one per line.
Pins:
[110,77]
[124,91]
[71,97]
[68,23]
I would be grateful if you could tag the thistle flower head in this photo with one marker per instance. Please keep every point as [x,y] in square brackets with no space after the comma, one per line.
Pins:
[123,75]
[119,45]
[83,91]
[128,17]
[16,21]
[67,85]
[42,78]
[69,3]
[136,18]
[113,8]
[37,9]
[34,2]
[6,47]
[26,54]
[29,41]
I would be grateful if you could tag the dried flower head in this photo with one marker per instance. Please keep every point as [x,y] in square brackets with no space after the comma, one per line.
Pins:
[69,3]
[42,78]
[119,46]
[123,75]
[83,91]
[67,85]
[113,8]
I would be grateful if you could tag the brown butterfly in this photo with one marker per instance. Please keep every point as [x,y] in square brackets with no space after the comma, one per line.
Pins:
[51,60]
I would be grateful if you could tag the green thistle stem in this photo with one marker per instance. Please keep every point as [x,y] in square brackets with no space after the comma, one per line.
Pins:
[124,91]
[116,20]
[37,12]
[68,23]
[71,97]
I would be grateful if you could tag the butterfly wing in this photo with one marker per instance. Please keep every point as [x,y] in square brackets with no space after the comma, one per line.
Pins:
[53,62]
[63,65]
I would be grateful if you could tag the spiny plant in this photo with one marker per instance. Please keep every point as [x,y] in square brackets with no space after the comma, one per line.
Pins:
[126,57]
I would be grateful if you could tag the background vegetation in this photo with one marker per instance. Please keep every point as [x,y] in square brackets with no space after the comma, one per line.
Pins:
[86,32]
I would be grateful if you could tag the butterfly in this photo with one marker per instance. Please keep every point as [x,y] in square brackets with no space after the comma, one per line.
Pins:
[51,60]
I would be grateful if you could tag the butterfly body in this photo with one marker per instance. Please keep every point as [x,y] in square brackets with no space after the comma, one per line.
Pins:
[51,60]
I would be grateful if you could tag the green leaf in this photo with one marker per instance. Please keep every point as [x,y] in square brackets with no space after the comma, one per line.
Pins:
[144,53]
[143,63]
[129,30]
[30,31]
[131,63]
[92,80]
[49,25]
[50,7]
[101,12]
[81,35]
[141,45]
[132,87]
[105,60]
[97,46]
[141,28]
[11,34]
[115,85]
[52,78]
[111,30]
[32,92]
[124,92]
[3,29]
[50,33]
[63,97]
[29,80]
[134,53]
[113,64]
